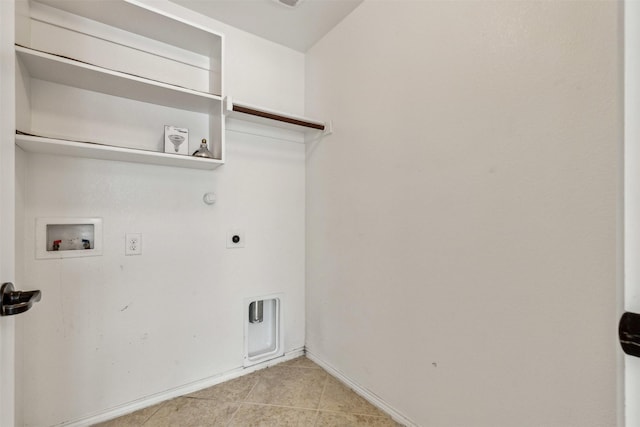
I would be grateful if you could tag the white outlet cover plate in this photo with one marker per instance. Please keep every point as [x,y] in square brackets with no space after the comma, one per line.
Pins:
[133,244]
[231,244]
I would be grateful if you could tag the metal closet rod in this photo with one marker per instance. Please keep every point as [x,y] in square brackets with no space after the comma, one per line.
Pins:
[254,112]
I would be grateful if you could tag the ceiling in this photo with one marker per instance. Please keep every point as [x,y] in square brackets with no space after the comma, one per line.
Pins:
[297,27]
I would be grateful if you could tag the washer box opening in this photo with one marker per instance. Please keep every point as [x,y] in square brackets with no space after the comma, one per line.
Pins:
[68,237]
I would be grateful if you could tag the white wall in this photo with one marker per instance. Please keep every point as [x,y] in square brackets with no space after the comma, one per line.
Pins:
[461,220]
[115,328]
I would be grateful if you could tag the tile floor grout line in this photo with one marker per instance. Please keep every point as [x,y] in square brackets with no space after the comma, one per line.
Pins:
[154,412]
[362,414]
[315,420]
[242,402]
[244,399]
[324,388]
[273,405]
[234,413]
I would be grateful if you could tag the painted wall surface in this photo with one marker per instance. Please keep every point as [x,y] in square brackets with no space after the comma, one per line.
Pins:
[113,329]
[461,220]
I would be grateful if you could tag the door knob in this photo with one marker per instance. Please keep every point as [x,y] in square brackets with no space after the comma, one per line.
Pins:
[629,333]
[16,302]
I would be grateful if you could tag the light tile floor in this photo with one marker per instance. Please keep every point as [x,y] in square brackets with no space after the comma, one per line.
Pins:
[294,393]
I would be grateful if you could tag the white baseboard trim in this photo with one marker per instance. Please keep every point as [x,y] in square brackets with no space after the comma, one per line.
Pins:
[133,406]
[362,392]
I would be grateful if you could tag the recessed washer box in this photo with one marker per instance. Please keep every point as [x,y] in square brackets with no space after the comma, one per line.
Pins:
[68,237]
[263,337]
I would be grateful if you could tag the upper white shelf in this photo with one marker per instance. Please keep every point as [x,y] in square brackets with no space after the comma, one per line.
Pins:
[264,116]
[44,145]
[134,16]
[70,72]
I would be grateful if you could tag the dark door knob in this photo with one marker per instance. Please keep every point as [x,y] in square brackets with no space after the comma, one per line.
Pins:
[16,302]
[629,333]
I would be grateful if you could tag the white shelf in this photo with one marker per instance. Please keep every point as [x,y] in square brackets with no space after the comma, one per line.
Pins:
[137,69]
[69,72]
[139,18]
[267,117]
[38,144]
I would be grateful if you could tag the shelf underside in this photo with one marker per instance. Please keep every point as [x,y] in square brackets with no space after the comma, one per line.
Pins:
[70,72]
[45,145]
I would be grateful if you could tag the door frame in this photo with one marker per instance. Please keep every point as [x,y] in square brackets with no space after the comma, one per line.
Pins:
[7,206]
[631,292]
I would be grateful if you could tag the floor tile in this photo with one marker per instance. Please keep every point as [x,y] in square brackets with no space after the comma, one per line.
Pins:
[341,419]
[301,362]
[338,397]
[289,386]
[235,390]
[251,415]
[296,393]
[134,419]
[189,412]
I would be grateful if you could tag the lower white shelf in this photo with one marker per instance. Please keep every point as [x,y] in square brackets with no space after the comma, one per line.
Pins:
[44,145]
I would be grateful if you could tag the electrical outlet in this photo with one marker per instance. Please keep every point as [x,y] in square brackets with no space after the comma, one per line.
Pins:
[133,244]
[235,239]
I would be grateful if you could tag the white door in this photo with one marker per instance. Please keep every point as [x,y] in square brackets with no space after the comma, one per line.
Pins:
[7,202]
[632,200]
